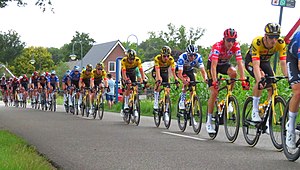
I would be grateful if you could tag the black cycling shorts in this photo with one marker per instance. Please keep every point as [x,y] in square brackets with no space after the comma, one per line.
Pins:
[190,74]
[220,69]
[265,66]
[163,73]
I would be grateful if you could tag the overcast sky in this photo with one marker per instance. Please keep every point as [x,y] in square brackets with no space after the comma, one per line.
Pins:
[109,20]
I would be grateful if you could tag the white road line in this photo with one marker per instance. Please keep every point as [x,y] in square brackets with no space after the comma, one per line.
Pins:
[185,136]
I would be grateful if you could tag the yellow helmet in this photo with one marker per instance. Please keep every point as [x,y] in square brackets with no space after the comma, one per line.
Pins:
[89,67]
[131,54]
[166,50]
[272,29]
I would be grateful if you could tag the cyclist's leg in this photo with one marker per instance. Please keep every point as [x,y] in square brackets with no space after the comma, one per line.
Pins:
[211,101]
[156,89]
[294,81]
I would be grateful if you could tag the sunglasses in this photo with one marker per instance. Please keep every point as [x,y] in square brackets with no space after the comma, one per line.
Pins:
[89,70]
[76,71]
[192,54]
[166,56]
[99,69]
[273,36]
[230,40]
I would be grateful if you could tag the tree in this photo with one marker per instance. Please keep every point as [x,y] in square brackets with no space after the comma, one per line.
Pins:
[10,46]
[86,42]
[43,61]
[22,3]
[176,38]
[56,54]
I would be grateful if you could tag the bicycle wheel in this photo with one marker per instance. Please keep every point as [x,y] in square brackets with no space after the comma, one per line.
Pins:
[100,107]
[250,131]
[232,119]
[87,105]
[290,154]
[275,118]
[167,112]
[215,122]
[157,114]
[181,117]
[54,103]
[66,104]
[196,116]
[137,110]
[82,107]
[126,113]
[75,104]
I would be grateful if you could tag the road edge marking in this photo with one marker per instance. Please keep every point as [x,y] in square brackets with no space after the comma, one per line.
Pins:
[184,136]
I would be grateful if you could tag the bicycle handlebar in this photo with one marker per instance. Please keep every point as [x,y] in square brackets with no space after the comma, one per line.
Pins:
[274,79]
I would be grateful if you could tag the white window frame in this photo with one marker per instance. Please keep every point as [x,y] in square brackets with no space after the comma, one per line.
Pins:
[112,71]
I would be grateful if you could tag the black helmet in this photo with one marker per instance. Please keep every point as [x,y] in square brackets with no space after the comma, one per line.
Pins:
[131,54]
[191,49]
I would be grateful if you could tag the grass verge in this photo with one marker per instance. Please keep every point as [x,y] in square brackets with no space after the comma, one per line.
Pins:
[16,154]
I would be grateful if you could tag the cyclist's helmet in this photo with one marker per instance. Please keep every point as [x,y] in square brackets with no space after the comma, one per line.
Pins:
[131,54]
[53,72]
[24,76]
[35,73]
[166,50]
[272,29]
[47,73]
[68,72]
[76,68]
[3,77]
[89,67]
[191,49]
[230,33]
[15,79]
[100,64]
[43,75]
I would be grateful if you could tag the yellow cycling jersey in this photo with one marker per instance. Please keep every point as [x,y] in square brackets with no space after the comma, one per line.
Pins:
[129,67]
[164,65]
[85,76]
[259,51]
[100,76]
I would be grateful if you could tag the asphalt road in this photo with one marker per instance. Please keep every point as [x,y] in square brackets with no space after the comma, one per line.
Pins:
[73,142]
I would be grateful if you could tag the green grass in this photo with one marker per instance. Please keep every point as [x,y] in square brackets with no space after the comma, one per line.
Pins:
[16,154]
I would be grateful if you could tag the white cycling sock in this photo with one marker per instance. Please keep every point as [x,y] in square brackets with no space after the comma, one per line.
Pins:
[126,99]
[292,120]
[255,103]
[182,97]
[209,117]
[156,96]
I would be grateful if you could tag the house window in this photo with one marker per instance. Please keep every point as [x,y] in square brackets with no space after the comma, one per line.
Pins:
[112,66]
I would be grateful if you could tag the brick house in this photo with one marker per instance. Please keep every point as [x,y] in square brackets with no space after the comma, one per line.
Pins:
[106,53]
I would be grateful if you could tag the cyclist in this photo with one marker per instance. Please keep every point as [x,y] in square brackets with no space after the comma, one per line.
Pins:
[128,65]
[4,89]
[98,74]
[24,81]
[15,84]
[160,73]
[293,65]
[218,62]
[53,83]
[66,82]
[257,62]
[85,80]
[75,77]
[186,63]
[42,85]
[33,83]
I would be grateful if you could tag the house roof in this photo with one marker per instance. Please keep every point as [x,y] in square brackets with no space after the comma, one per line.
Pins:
[99,52]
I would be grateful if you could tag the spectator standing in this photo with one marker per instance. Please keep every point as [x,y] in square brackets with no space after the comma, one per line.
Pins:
[111,92]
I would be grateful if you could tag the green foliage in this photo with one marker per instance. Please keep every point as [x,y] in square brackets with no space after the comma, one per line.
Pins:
[176,38]
[10,46]
[43,61]
[78,40]
[61,69]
